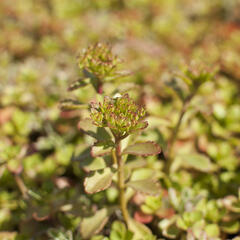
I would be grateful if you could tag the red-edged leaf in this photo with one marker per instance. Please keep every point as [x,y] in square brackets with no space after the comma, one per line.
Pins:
[98,181]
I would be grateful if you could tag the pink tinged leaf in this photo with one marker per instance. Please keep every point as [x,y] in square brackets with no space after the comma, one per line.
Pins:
[139,198]
[143,149]
[142,217]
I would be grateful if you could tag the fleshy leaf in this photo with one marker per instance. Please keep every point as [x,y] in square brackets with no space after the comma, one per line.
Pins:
[143,149]
[139,230]
[100,134]
[120,232]
[169,228]
[212,230]
[230,227]
[143,217]
[94,224]
[87,126]
[98,151]
[197,161]
[98,181]
[72,104]
[235,207]
[78,84]
[148,186]
[89,163]
[94,164]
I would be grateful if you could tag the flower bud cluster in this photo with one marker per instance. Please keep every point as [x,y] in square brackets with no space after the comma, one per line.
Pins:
[122,115]
[99,60]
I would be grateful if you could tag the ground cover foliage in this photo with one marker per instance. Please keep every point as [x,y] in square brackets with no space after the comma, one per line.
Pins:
[91,87]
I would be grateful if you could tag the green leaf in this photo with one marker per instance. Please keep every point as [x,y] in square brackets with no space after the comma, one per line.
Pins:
[78,84]
[148,186]
[198,229]
[212,230]
[99,151]
[136,164]
[152,204]
[235,207]
[71,104]
[94,224]
[139,230]
[87,126]
[176,86]
[169,228]
[143,149]
[119,232]
[100,134]
[230,227]
[59,234]
[192,217]
[98,181]
[212,211]
[88,163]
[94,165]
[181,223]
[188,219]
[196,161]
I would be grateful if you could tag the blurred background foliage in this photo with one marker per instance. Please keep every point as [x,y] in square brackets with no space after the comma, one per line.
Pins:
[41,187]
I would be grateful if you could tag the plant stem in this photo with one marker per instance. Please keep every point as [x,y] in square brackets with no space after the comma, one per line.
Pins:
[21,186]
[114,156]
[121,182]
[175,132]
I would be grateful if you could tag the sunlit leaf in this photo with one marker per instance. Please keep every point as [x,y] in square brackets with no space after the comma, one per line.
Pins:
[230,227]
[143,149]
[99,151]
[197,161]
[94,224]
[98,181]
[120,232]
[212,230]
[169,228]
[148,186]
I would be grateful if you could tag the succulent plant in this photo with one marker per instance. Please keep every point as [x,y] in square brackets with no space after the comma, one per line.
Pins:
[99,60]
[121,115]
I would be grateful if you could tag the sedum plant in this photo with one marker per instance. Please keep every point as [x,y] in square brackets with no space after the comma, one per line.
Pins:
[98,64]
[121,115]
[193,76]
[114,123]
[117,119]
